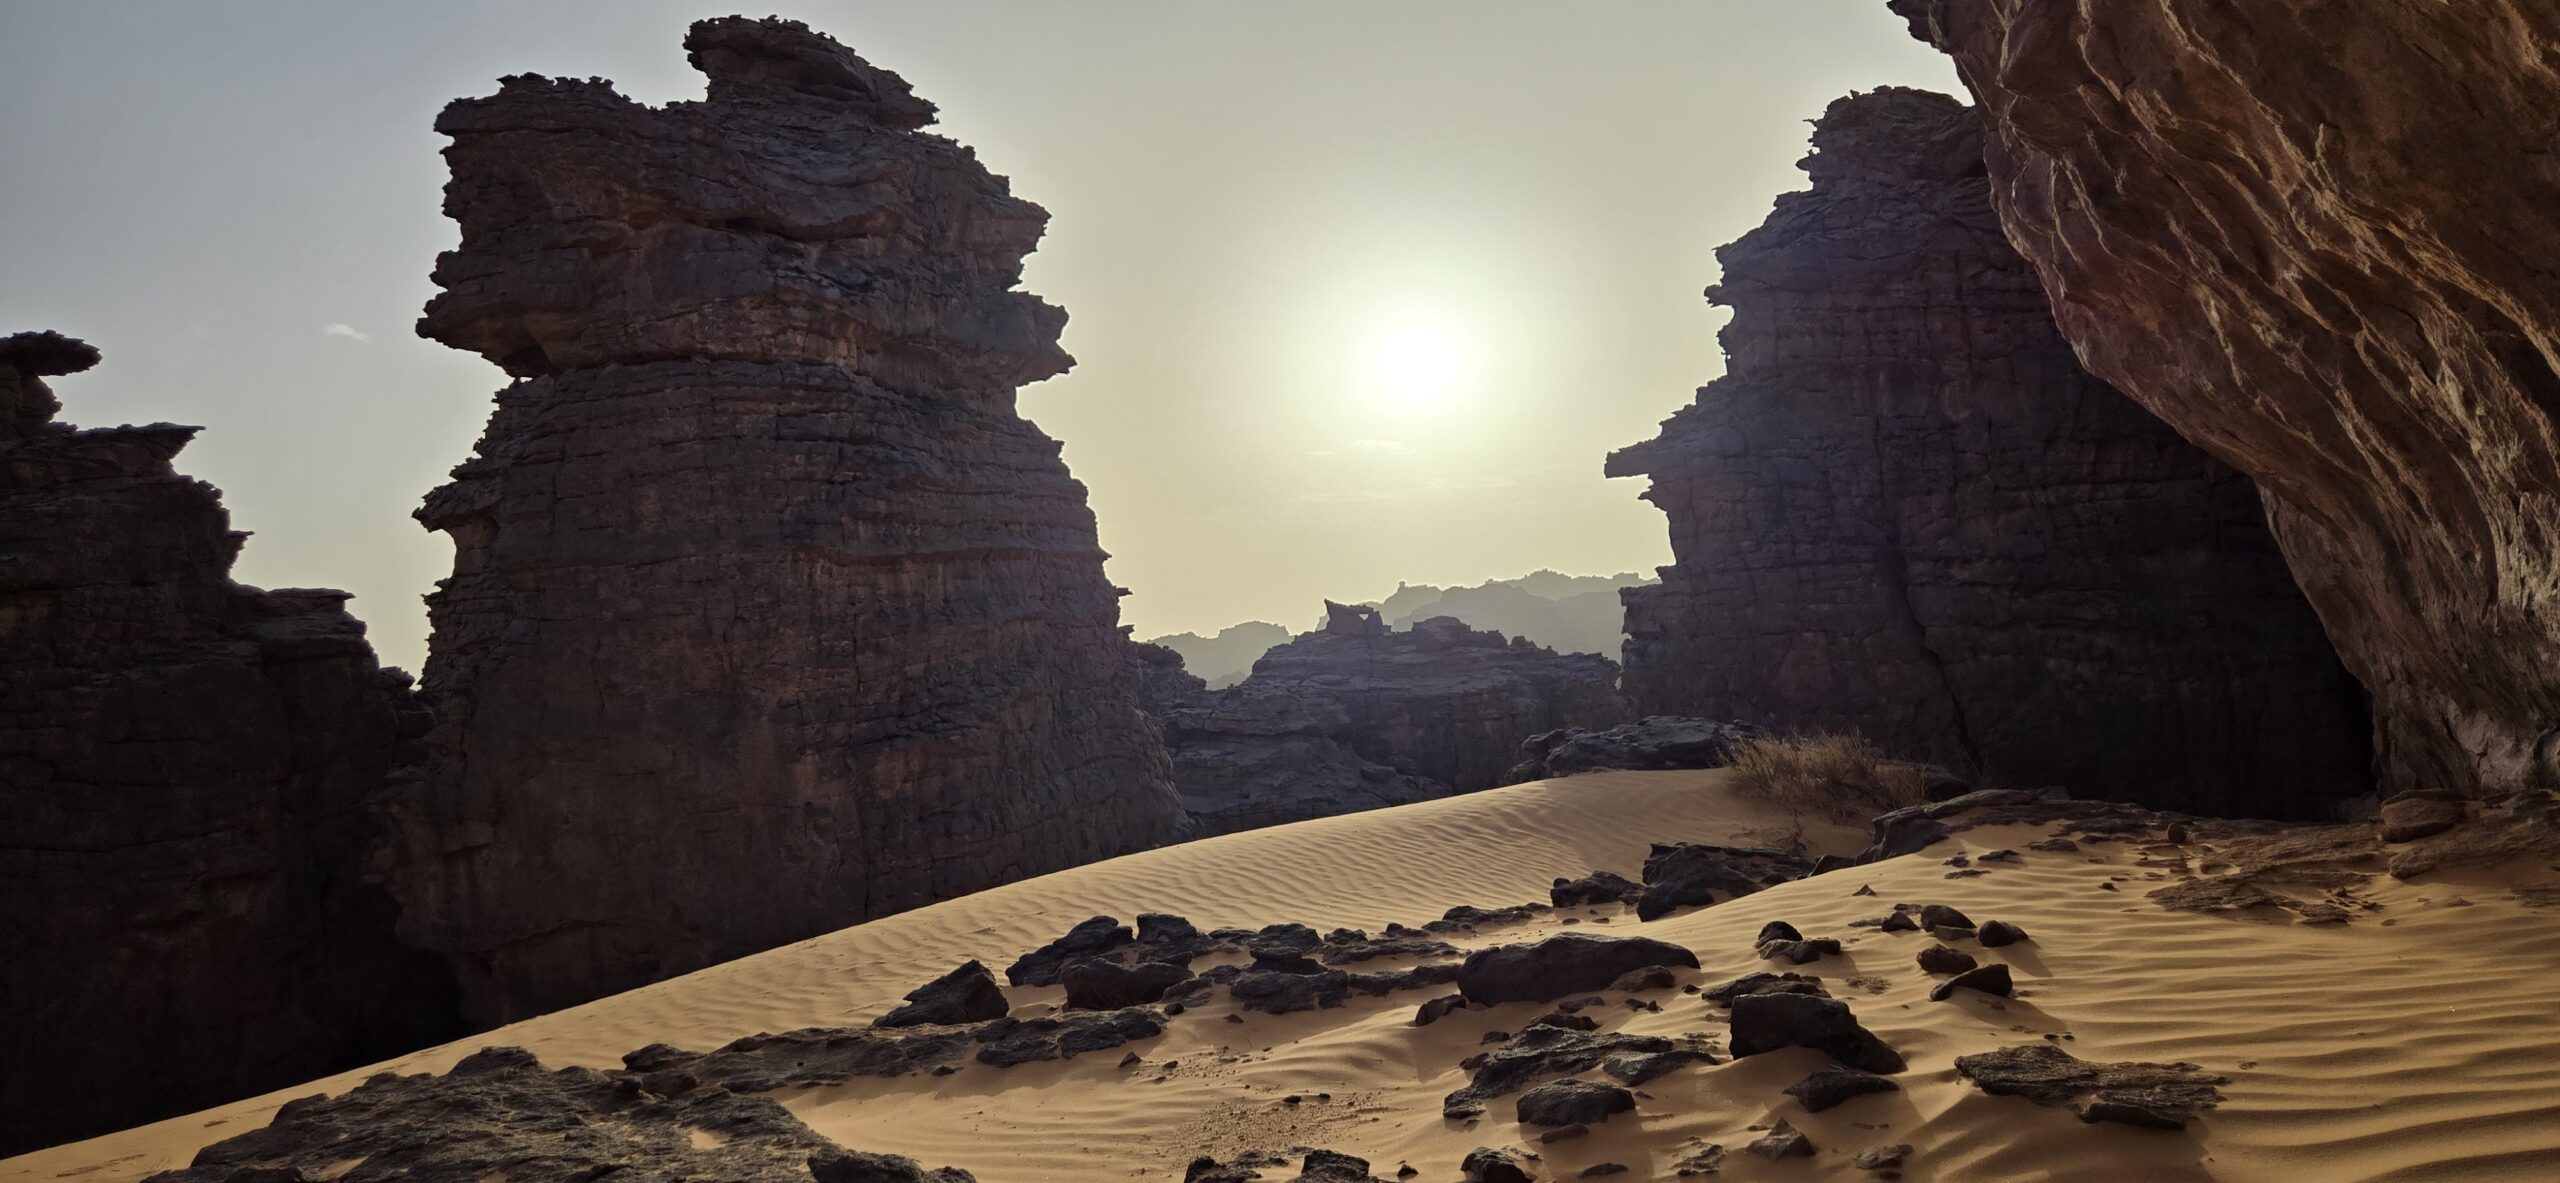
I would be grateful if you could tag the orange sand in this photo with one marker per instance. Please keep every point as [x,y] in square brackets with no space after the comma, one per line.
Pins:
[2417,1043]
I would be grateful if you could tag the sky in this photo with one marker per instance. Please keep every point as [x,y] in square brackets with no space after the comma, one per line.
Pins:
[1361,292]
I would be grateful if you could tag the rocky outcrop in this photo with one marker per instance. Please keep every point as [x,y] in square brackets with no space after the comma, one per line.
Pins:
[2322,249]
[1359,716]
[1905,511]
[1651,743]
[769,612]
[186,766]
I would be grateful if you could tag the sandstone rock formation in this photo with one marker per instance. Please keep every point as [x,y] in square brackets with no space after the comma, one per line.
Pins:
[1358,716]
[769,612]
[185,770]
[2322,248]
[1653,742]
[1905,511]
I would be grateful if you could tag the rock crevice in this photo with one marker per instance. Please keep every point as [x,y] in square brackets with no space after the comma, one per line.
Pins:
[1907,512]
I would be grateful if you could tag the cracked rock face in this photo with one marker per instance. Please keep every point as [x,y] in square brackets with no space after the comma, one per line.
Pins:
[2322,248]
[1905,511]
[1359,716]
[769,612]
[188,764]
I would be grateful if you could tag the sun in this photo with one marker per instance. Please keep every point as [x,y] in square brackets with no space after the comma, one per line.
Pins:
[1416,363]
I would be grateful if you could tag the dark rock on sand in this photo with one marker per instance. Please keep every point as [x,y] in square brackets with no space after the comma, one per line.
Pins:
[1561,965]
[1829,1087]
[1782,1142]
[1995,933]
[968,994]
[2160,1096]
[500,1115]
[1573,1102]
[1598,887]
[1096,984]
[1484,1164]
[1042,966]
[1786,982]
[1989,979]
[1767,1022]
[1939,959]
[1687,874]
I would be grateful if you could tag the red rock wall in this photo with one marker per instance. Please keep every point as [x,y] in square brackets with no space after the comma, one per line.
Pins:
[1906,512]
[769,613]
[2316,237]
[186,769]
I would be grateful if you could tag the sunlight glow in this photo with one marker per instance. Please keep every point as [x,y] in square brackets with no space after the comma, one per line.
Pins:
[1417,363]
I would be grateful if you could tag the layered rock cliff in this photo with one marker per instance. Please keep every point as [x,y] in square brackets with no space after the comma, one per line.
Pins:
[2317,239]
[1358,716]
[186,766]
[1905,511]
[769,612]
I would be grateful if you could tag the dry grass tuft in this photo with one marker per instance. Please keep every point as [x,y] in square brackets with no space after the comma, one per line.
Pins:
[1841,778]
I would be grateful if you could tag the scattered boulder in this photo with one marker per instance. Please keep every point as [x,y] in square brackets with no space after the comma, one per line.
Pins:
[499,1114]
[2411,816]
[1573,1102]
[1882,1158]
[1941,916]
[1782,1141]
[1776,930]
[1022,1041]
[1655,742]
[1705,1160]
[968,994]
[1689,874]
[1561,965]
[1996,933]
[1436,1009]
[1989,979]
[1484,1164]
[1042,966]
[1551,1051]
[1800,952]
[1787,982]
[1598,887]
[1326,1166]
[1767,1022]
[2155,1096]
[1939,959]
[1829,1087]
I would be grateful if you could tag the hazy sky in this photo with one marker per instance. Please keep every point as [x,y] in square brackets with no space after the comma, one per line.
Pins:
[1359,292]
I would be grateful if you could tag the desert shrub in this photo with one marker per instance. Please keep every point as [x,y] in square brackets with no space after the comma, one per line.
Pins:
[1842,778]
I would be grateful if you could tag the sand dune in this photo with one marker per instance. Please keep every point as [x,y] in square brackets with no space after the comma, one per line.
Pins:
[2415,1042]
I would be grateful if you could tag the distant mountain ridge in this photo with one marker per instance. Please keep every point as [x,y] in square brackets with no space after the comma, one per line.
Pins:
[1566,613]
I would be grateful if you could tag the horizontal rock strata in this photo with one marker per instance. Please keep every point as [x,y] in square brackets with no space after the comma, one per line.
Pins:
[769,613]
[186,766]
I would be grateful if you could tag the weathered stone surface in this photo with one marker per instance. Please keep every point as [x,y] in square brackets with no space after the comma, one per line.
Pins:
[1356,716]
[1598,887]
[1783,982]
[1906,512]
[1767,1022]
[1484,1164]
[1571,963]
[2408,818]
[2159,1096]
[1572,1102]
[769,612]
[1653,742]
[1782,1141]
[968,994]
[2322,248]
[1549,1051]
[500,1115]
[1992,979]
[187,770]
[1830,1087]
[1689,874]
